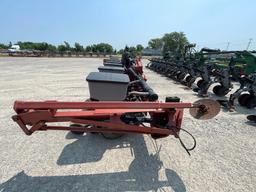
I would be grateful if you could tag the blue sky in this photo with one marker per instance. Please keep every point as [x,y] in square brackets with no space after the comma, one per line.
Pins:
[129,22]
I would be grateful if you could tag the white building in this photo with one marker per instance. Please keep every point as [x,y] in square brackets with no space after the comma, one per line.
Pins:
[14,48]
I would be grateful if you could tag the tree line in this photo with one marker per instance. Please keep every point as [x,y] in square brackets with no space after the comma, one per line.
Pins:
[170,42]
[66,47]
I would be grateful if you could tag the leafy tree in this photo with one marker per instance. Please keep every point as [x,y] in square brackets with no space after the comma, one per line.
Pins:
[24,45]
[139,48]
[36,46]
[132,49]
[51,48]
[121,51]
[68,48]
[3,46]
[156,43]
[104,48]
[78,47]
[94,49]
[40,46]
[99,48]
[62,48]
[174,42]
[88,48]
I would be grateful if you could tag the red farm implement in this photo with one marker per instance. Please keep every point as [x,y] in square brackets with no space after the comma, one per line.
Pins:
[119,103]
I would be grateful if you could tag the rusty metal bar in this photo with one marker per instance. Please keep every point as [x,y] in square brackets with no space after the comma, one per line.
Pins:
[53,105]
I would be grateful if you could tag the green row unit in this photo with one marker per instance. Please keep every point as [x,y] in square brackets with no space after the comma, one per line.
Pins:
[243,61]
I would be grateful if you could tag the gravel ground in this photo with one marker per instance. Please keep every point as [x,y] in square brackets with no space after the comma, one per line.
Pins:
[224,159]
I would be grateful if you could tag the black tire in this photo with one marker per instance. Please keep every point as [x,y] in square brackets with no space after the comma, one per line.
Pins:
[202,89]
[196,89]
[242,99]
[199,83]
[216,89]
[191,81]
[220,91]
[188,78]
[76,132]
[175,75]
[252,118]
[251,102]
[181,76]
[112,135]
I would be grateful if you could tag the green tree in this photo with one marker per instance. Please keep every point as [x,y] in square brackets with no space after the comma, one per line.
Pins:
[104,48]
[78,47]
[156,43]
[25,45]
[36,46]
[100,48]
[121,51]
[88,48]
[132,50]
[51,48]
[174,42]
[94,48]
[3,46]
[62,48]
[40,46]
[139,48]
[67,45]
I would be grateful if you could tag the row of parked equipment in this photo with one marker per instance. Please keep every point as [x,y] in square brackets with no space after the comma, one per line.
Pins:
[120,102]
[200,70]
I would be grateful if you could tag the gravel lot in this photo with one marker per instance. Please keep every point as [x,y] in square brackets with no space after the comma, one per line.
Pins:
[224,159]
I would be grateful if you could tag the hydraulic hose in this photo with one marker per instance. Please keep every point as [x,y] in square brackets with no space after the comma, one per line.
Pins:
[152,96]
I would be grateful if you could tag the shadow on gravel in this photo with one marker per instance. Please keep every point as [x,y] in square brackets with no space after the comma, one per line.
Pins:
[142,174]
[251,123]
